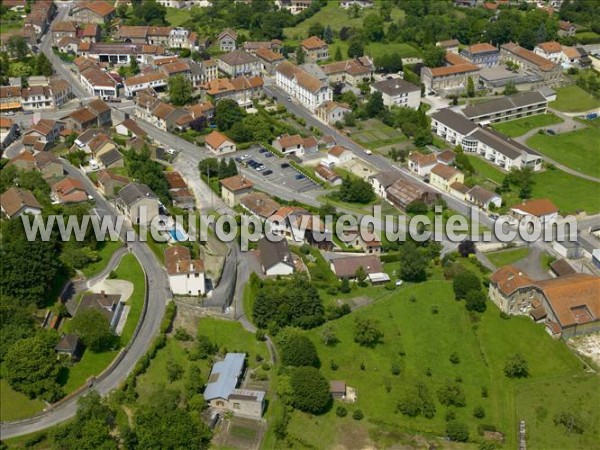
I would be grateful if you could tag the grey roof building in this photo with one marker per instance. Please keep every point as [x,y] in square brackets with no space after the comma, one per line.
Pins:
[454,121]
[507,108]
[134,192]
[224,376]
[275,257]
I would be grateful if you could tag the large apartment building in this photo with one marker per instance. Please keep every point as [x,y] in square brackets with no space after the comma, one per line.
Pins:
[550,72]
[305,87]
[507,108]
[451,78]
[489,144]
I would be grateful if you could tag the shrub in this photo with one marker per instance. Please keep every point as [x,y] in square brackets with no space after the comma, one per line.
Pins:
[333,365]
[305,249]
[454,358]
[298,350]
[341,411]
[516,367]
[181,334]
[452,394]
[479,412]
[457,431]
[570,421]
[358,415]
[260,335]
[310,390]
[395,369]
[434,309]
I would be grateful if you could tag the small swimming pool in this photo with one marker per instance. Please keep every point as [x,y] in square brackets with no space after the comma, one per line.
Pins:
[178,235]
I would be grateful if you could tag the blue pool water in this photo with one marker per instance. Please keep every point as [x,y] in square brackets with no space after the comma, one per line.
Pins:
[178,235]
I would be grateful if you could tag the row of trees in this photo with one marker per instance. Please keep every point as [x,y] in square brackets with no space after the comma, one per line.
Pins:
[212,167]
[143,169]
[17,63]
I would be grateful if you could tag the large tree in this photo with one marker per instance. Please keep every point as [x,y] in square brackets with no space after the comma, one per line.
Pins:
[367,332]
[298,351]
[94,329]
[310,390]
[465,282]
[180,90]
[434,56]
[43,66]
[413,263]
[375,104]
[31,367]
[227,114]
[355,190]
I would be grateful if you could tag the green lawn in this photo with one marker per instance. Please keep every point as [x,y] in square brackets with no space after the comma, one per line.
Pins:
[519,127]
[375,49]
[14,405]
[506,257]
[91,364]
[334,16]
[574,99]
[417,340]
[105,251]
[129,269]
[373,134]
[568,192]
[579,150]
[177,16]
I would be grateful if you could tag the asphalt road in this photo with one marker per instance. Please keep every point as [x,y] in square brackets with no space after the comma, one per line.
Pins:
[158,296]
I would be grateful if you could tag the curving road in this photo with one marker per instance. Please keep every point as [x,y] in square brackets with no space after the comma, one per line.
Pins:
[158,294]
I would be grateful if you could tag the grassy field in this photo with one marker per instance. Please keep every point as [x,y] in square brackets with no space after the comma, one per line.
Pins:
[505,257]
[106,250]
[91,364]
[579,150]
[335,17]
[229,337]
[15,405]
[129,269]
[177,16]
[568,192]
[375,49]
[374,134]
[519,127]
[574,99]
[418,340]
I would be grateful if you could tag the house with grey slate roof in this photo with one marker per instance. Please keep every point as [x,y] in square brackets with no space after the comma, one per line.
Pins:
[138,203]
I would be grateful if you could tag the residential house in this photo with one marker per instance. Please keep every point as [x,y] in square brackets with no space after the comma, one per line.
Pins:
[69,190]
[227,40]
[234,188]
[566,28]
[529,61]
[136,83]
[180,192]
[447,157]
[102,111]
[71,346]
[442,176]
[346,267]
[186,275]
[80,119]
[510,290]
[36,98]
[239,63]
[109,305]
[295,145]
[333,112]
[450,45]
[551,50]
[109,183]
[483,55]
[459,190]
[397,92]
[338,155]
[130,128]
[403,192]
[421,164]
[49,165]
[93,12]
[540,211]
[15,202]
[360,3]
[369,243]
[23,161]
[293,6]
[298,83]
[483,198]
[68,45]
[273,45]
[315,49]
[61,91]
[98,83]
[351,71]
[241,89]
[507,108]
[91,33]
[64,29]
[8,132]
[10,98]
[45,131]
[111,159]
[383,180]
[268,59]
[275,257]
[453,77]
[326,174]
[561,268]
[259,204]
[219,144]
[221,391]
[138,202]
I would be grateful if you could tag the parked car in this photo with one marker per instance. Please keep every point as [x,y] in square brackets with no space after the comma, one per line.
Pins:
[368,152]
[267,172]
[285,165]
[9,113]
[551,131]
[170,151]
[268,155]
[300,176]
[238,159]
[262,150]
[494,216]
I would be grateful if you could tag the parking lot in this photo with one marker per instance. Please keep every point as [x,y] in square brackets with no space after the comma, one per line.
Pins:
[277,171]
